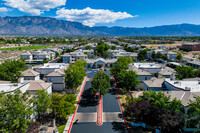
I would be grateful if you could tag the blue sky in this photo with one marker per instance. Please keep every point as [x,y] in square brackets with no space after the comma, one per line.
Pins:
[126,13]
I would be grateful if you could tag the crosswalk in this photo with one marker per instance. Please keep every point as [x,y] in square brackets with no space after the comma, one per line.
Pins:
[92,117]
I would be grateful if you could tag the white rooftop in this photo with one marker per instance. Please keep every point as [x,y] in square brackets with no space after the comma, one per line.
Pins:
[192,86]
[10,87]
[53,65]
[146,65]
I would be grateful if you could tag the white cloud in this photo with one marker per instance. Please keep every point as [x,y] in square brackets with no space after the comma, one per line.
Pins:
[90,16]
[4,9]
[34,7]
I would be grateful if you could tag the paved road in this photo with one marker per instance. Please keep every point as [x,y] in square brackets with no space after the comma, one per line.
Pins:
[110,102]
[112,117]
[91,127]
[87,103]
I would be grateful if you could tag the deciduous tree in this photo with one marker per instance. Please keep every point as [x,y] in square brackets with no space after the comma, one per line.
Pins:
[75,74]
[42,102]
[62,105]
[88,48]
[15,110]
[154,110]
[128,80]
[193,112]
[101,83]
[11,70]
[179,56]
[185,72]
[121,64]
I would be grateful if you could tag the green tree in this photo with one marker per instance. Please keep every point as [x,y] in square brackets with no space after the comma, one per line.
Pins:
[88,48]
[121,64]
[193,112]
[62,105]
[101,83]
[10,70]
[143,54]
[10,41]
[101,48]
[153,55]
[179,56]
[106,54]
[45,60]
[185,72]
[164,57]
[159,55]
[42,102]
[15,110]
[113,47]
[128,80]
[160,100]
[75,74]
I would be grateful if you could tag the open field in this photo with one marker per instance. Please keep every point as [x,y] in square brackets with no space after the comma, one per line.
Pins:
[177,43]
[25,48]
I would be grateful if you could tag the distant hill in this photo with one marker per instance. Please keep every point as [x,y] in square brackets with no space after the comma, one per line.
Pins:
[38,26]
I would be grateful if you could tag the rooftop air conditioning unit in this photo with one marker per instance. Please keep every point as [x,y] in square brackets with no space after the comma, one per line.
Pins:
[15,84]
[175,82]
[187,88]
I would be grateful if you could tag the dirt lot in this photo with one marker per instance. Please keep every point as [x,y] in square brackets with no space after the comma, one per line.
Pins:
[177,43]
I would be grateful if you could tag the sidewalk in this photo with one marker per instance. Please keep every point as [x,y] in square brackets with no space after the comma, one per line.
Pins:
[71,117]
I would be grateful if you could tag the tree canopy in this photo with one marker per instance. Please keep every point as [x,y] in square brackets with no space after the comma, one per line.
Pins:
[185,72]
[88,48]
[143,54]
[128,80]
[121,64]
[100,82]
[63,104]
[156,109]
[193,113]
[102,48]
[179,56]
[113,47]
[42,102]
[153,55]
[15,110]
[75,74]
[10,70]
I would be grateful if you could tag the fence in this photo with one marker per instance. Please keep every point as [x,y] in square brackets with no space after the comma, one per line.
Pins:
[144,126]
[191,130]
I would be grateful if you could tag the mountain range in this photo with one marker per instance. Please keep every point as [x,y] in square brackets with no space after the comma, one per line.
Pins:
[46,26]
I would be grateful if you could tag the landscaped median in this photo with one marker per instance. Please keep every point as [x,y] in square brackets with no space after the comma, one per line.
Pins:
[71,117]
[100,111]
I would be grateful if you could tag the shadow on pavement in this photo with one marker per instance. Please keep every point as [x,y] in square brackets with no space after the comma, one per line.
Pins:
[120,127]
[87,99]
[112,91]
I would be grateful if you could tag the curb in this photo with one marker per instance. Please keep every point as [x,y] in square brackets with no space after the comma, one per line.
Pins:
[69,126]
[100,103]
[53,59]
[121,107]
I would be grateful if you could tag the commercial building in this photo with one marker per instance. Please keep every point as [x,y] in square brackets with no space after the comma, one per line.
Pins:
[191,46]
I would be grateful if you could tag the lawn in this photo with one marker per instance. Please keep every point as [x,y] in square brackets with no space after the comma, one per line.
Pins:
[61,129]
[122,100]
[25,48]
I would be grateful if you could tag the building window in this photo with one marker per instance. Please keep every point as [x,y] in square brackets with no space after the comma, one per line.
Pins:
[50,79]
